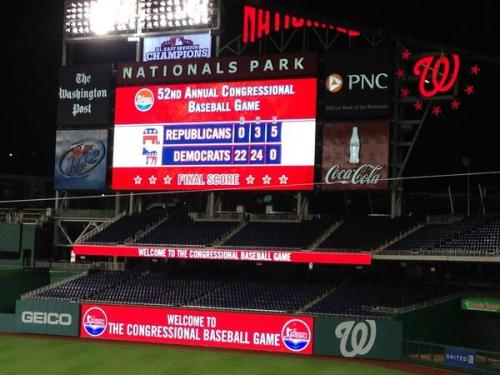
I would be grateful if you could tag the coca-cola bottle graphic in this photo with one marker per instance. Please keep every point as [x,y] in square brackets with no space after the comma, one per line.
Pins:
[354,146]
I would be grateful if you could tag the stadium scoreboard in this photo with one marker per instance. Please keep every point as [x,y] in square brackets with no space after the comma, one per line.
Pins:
[251,135]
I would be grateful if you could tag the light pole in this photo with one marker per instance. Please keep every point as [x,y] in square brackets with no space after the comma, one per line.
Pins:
[466,163]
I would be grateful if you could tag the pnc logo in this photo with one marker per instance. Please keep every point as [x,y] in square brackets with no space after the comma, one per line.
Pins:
[359,82]
[144,100]
[296,335]
[95,321]
[334,83]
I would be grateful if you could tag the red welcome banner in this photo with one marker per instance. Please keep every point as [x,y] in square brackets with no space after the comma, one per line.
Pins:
[243,331]
[225,254]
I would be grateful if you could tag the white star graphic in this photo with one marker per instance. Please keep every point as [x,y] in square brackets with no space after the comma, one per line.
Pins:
[137,180]
[283,179]
[250,179]
[152,180]
[266,180]
[167,180]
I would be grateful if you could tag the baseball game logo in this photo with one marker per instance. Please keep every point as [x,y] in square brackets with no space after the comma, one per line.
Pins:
[95,321]
[144,100]
[296,335]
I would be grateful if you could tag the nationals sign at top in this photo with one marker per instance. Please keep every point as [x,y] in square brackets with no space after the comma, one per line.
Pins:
[207,136]
[217,69]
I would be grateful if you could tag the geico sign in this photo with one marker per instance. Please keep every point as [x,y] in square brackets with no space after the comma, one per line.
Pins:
[51,318]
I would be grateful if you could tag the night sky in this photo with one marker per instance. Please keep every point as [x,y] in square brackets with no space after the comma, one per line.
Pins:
[32,55]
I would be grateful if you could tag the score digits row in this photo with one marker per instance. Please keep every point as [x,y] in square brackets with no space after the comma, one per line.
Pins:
[258,132]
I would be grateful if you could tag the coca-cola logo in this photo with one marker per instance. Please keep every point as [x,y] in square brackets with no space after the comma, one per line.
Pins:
[365,174]
[437,75]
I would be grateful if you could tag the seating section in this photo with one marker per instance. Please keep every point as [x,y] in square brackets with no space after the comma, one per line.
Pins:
[422,238]
[127,226]
[85,287]
[181,229]
[296,235]
[278,295]
[483,240]
[270,293]
[365,298]
[471,236]
[366,233]
[158,289]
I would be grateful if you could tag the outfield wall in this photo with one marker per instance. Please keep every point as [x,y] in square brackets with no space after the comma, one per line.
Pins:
[440,323]
[254,331]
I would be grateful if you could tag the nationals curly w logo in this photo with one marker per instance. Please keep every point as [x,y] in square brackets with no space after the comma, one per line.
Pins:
[356,338]
[437,75]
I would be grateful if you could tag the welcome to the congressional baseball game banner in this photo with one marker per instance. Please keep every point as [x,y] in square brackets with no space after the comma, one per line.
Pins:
[233,330]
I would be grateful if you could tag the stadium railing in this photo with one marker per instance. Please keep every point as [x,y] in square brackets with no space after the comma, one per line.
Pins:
[100,228]
[431,354]
[31,293]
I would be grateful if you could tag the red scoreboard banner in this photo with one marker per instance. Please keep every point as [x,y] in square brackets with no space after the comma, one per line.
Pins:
[273,256]
[232,330]
[205,136]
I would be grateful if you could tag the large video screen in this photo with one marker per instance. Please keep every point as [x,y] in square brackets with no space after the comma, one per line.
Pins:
[206,136]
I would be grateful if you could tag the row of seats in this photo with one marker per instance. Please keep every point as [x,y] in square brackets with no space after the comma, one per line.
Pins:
[85,287]
[181,229]
[296,235]
[366,233]
[127,226]
[363,298]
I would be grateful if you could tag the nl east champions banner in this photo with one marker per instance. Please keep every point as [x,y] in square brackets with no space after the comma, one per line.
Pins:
[171,47]
[239,135]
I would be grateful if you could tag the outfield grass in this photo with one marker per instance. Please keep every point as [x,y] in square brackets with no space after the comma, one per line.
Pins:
[38,356]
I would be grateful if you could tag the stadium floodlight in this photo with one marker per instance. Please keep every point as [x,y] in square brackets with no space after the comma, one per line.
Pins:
[94,18]
[176,14]
[100,17]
